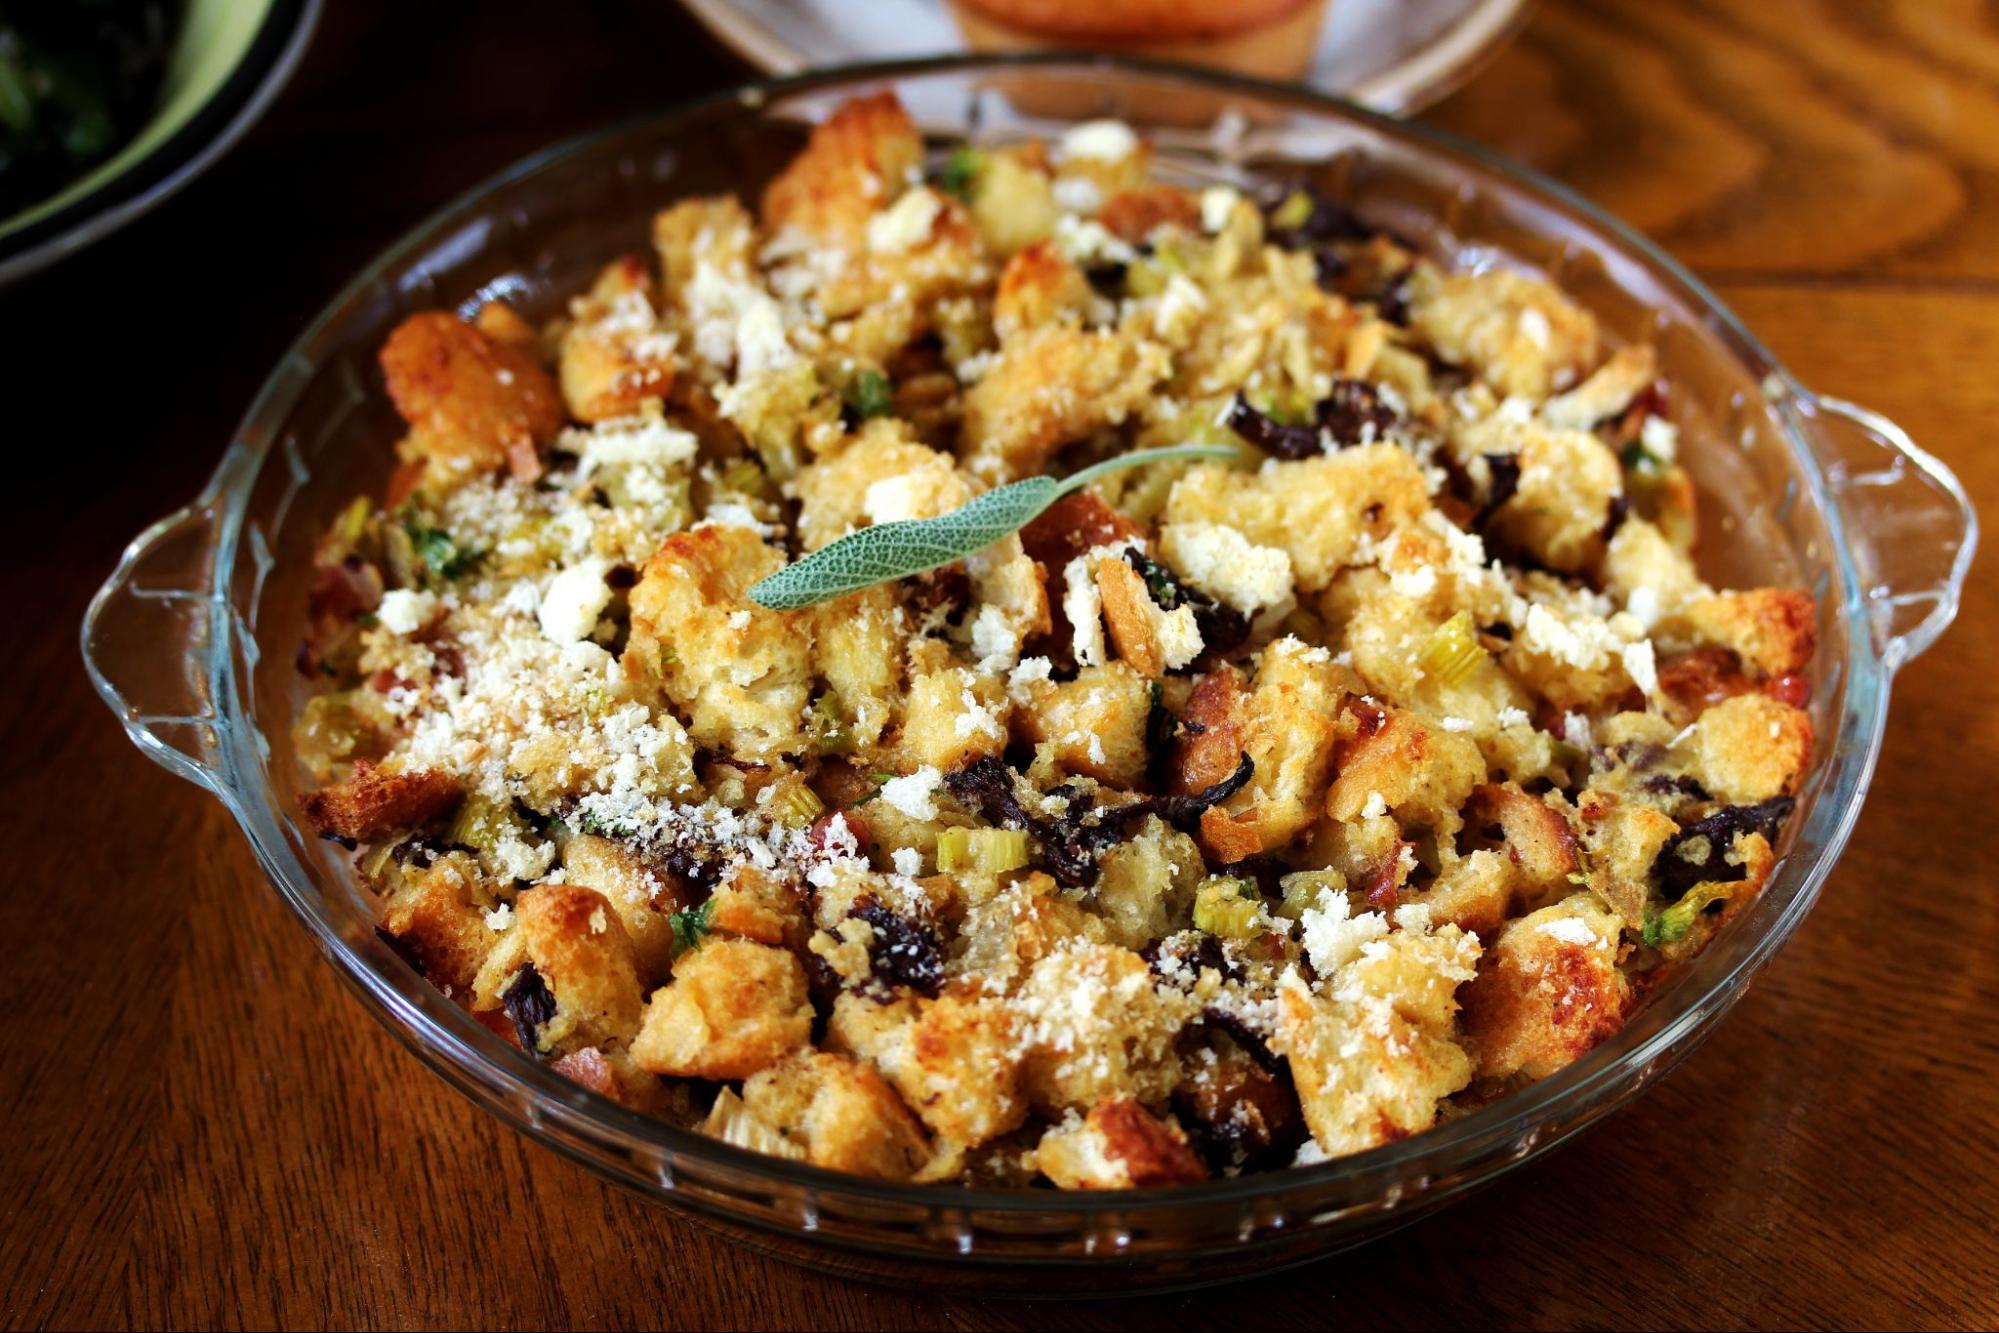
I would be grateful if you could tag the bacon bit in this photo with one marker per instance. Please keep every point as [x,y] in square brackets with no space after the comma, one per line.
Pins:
[1382,895]
[588,1067]
[821,831]
[385,680]
[1794,690]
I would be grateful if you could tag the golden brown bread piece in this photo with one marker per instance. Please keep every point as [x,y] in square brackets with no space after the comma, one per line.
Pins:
[856,162]
[1118,1145]
[376,801]
[473,404]
[733,1008]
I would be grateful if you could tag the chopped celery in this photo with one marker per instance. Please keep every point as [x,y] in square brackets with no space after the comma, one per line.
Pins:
[798,806]
[1292,213]
[954,849]
[1228,907]
[1303,888]
[1452,652]
[995,851]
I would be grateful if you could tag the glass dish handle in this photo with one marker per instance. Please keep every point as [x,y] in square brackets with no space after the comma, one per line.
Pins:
[1912,527]
[147,638]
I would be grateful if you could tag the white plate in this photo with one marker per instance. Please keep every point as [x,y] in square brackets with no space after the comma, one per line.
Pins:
[1393,55]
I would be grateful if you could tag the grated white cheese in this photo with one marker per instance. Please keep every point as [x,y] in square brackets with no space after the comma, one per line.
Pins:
[404,611]
[1077,194]
[1100,140]
[915,794]
[1217,203]
[906,224]
[1222,562]
[1569,930]
[575,599]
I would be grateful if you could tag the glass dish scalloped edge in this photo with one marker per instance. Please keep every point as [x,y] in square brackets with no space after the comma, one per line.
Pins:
[191,639]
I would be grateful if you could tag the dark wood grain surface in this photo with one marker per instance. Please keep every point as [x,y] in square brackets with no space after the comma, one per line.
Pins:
[202,1127]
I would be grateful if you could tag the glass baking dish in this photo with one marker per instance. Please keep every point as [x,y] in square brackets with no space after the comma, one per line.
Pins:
[191,640]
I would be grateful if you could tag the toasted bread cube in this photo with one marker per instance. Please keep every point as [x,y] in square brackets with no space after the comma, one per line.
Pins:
[1013,200]
[1134,214]
[883,475]
[577,942]
[473,404]
[614,361]
[732,1009]
[1568,481]
[1145,884]
[1096,1025]
[1050,387]
[439,916]
[952,716]
[609,1072]
[1285,724]
[717,232]
[1547,991]
[742,673]
[1624,839]
[1316,511]
[644,896]
[955,1059]
[858,644]
[1647,573]
[1118,1145]
[752,905]
[1519,334]
[1752,747]
[1096,722]
[1606,393]
[376,801]
[1773,630]
[1154,641]
[1039,286]
[1537,839]
[854,164]
[840,1112]
[1373,1053]
[1397,762]
[1011,600]
[1475,893]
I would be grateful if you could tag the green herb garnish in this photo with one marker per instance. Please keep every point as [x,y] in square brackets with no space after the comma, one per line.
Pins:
[440,552]
[889,551]
[870,395]
[1637,458]
[1671,924]
[961,172]
[691,927]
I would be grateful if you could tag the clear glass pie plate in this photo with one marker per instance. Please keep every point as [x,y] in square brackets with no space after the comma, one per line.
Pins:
[192,639]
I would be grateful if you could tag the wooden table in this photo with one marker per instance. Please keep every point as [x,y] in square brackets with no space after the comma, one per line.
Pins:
[202,1127]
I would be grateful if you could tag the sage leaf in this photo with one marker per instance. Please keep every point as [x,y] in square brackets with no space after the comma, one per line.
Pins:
[889,551]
